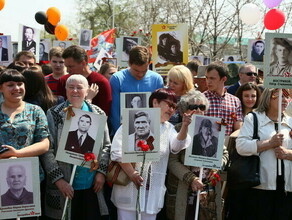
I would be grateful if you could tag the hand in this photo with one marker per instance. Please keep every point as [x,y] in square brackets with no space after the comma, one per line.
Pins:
[197,185]
[187,119]
[276,140]
[65,188]
[136,179]
[99,180]
[12,152]
[92,91]
[281,153]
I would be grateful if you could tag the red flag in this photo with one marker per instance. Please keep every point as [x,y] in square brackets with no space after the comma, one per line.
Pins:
[104,40]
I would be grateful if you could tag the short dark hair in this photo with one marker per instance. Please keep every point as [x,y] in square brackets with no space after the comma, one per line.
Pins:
[220,67]
[11,75]
[76,52]
[139,55]
[17,65]
[283,42]
[140,114]
[24,53]
[25,28]
[206,123]
[247,87]
[194,64]
[86,116]
[162,94]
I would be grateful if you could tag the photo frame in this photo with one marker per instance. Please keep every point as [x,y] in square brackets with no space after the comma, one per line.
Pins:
[29,184]
[92,125]
[231,58]
[147,121]
[62,44]
[29,40]
[233,68]
[110,60]
[6,50]
[278,62]
[209,156]
[45,46]
[169,46]
[256,51]
[85,36]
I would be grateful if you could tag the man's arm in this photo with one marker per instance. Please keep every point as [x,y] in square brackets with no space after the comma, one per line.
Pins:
[115,108]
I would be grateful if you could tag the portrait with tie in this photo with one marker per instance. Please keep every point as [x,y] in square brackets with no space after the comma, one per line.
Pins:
[28,42]
[79,140]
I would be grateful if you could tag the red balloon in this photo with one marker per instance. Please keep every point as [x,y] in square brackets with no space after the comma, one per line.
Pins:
[274,19]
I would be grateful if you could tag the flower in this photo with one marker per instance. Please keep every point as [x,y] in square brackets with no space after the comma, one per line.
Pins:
[89,156]
[143,146]
[214,179]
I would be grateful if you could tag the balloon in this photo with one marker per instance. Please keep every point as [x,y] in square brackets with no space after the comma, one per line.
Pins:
[54,15]
[272,3]
[274,19]
[50,28]
[250,14]
[61,32]
[41,17]
[2,3]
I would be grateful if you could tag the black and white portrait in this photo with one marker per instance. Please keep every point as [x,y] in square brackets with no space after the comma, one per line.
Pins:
[62,44]
[18,179]
[28,39]
[136,100]
[84,38]
[258,51]
[231,58]
[3,48]
[280,61]
[43,54]
[128,44]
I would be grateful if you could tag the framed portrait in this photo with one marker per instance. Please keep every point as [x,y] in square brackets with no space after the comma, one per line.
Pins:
[199,58]
[231,58]
[82,133]
[14,49]
[233,68]
[278,61]
[29,39]
[206,149]
[45,46]
[110,60]
[140,126]
[62,44]
[84,38]
[124,45]
[169,46]
[256,51]
[6,50]
[134,99]
[20,188]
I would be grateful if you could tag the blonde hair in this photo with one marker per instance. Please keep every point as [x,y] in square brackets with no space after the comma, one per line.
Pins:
[265,99]
[182,74]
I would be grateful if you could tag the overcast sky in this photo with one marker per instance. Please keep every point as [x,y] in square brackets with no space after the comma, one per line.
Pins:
[17,12]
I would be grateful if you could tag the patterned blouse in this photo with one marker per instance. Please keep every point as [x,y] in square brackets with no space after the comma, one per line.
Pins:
[28,127]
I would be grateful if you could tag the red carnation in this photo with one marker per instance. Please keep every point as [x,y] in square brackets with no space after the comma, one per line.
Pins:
[89,156]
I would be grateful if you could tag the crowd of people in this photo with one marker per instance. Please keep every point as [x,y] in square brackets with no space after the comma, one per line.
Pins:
[32,119]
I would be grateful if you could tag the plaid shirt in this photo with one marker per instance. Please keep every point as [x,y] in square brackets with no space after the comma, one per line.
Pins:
[227,106]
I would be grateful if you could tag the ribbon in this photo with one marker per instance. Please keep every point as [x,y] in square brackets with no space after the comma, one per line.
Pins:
[94,165]
[220,123]
[70,112]
[150,142]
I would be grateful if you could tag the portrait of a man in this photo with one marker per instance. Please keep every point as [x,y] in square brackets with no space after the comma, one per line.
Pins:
[128,44]
[142,130]
[258,50]
[3,50]
[79,141]
[17,194]
[85,37]
[204,142]
[62,44]
[43,54]
[280,64]
[135,100]
[28,43]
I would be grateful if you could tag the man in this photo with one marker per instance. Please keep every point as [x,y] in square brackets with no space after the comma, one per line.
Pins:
[85,38]
[16,194]
[247,73]
[58,67]
[43,55]
[142,130]
[137,78]
[200,79]
[281,52]
[62,44]
[28,44]
[79,141]
[76,61]
[3,51]
[222,104]
[136,102]
[193,66]
[25,57]
[129,43]
[257,53]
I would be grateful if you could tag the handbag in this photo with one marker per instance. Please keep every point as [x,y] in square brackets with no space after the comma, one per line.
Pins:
[116,174]
[243,172]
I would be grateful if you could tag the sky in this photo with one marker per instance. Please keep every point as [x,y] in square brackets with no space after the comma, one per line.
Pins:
[17,12]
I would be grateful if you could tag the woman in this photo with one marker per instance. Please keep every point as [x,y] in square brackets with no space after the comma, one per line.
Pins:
[107,70]
[151,199]
[85,203]
[183,181]
[24,129]
[180,81]
[273,197]
[249,95]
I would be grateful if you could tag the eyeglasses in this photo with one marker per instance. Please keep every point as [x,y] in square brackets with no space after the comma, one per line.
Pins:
[196,107]
[251,73]
[170,104]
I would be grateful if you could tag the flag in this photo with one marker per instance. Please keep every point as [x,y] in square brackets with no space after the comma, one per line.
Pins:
[99,61]
[103,40]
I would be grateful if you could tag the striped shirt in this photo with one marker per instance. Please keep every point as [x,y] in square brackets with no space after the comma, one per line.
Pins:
[52,83]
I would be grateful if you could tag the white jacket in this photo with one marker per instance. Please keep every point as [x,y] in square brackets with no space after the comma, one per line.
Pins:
[124,197]
[247,146]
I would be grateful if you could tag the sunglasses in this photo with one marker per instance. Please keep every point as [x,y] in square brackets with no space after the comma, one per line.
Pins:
[251,73]
[170,104]
[195,107]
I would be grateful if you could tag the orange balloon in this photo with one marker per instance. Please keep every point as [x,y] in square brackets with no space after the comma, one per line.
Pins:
[54,15]
[61,32]
[2,3]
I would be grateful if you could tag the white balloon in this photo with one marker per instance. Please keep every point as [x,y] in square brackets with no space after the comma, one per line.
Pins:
[250,14]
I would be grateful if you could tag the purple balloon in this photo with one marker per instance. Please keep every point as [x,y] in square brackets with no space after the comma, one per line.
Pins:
[272,3]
